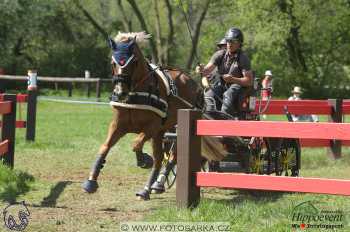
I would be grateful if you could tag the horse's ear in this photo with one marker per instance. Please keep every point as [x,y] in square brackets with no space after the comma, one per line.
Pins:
[132,41]
[112,44]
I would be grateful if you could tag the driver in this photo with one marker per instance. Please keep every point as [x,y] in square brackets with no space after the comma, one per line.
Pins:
[234,69]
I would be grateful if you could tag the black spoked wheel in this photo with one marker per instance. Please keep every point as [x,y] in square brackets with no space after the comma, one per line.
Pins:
[169,146]
[259,161]
[288,161]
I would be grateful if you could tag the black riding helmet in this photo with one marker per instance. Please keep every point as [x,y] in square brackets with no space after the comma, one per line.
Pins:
[234,34]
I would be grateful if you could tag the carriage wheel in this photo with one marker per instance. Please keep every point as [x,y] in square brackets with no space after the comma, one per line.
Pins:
[169,154]
[170,180]
[288,161]
[260,156]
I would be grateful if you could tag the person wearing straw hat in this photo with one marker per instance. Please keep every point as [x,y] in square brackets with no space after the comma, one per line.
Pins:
[301,118]
[296,94]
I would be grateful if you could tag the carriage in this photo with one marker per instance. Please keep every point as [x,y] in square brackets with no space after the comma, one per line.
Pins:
[255,155]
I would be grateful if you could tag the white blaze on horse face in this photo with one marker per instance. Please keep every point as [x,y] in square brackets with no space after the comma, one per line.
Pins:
[118,89]
[119,70]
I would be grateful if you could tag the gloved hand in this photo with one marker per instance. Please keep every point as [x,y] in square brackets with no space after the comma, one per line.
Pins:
[199,68]
[205,82]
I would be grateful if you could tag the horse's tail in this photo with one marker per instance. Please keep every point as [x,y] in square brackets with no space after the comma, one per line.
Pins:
[212,148]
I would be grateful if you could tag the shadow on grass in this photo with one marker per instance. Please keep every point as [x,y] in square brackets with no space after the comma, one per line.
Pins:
[55,192]
[256,196]
[13,184]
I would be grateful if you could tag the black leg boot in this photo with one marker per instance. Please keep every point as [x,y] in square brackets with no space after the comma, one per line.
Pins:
[144,160]
[158,185]
[144,194]
[90,185]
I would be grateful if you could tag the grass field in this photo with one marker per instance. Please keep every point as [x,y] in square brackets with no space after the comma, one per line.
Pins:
[49,173]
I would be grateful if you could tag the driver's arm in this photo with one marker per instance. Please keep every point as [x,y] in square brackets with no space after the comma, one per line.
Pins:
[245,81]
[206,70]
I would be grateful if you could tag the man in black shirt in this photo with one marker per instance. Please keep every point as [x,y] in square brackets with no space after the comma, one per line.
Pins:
[234,68]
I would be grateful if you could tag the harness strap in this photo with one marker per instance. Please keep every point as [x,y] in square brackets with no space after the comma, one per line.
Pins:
[142,100]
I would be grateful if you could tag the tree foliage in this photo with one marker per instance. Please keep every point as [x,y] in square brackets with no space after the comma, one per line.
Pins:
[303,42]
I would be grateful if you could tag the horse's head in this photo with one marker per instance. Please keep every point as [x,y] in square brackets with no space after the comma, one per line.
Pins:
[124,62]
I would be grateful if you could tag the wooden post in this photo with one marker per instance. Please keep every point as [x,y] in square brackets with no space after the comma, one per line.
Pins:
[31,115]
[188,159]
[336,116]
[88,89]
[98,88]
[8,130]
[70,89]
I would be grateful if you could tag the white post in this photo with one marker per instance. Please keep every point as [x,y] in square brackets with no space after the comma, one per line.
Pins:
[32,80]
[87,74]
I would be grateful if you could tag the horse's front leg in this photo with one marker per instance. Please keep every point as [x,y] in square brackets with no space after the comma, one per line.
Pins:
[143,159]
[115,132]
[157,164]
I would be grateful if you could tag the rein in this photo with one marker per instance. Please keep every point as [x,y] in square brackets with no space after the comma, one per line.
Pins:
[144,78]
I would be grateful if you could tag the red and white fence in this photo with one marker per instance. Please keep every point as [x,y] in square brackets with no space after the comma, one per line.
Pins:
[189,177]
[8,129]
[31,99]
[336,109]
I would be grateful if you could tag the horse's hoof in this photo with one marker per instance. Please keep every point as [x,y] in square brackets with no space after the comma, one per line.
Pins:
[90,186]
[143,195]
[146,162]
[158,188]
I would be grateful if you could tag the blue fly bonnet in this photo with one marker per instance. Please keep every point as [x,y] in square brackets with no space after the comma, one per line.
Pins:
[122,52]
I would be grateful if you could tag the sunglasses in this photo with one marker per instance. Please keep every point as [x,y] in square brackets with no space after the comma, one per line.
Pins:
[232,41]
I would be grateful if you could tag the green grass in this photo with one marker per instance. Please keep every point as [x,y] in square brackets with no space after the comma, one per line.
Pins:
[49,172]
[265,211]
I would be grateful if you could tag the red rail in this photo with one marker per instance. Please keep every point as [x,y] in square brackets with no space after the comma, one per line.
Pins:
[274,183]
[320,143]
[19,124]
[301,107]
[4,147]
[304,130]
[5,107]
[20,97]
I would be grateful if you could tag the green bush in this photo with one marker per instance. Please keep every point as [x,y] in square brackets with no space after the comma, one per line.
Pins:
[13,183]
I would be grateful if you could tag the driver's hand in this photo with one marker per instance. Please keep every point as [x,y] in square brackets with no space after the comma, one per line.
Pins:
[199,68]
[205,82]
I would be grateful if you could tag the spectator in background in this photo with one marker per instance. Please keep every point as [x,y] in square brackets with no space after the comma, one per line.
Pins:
[221,45]
[301,118]
[266,83]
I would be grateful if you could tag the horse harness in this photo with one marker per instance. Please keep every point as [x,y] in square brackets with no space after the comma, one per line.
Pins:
[149,100]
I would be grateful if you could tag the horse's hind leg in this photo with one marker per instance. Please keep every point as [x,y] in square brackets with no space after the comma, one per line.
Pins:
[157,164]
[114,134]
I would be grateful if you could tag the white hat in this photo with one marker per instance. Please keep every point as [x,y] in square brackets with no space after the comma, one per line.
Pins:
[297,89]
[268,73]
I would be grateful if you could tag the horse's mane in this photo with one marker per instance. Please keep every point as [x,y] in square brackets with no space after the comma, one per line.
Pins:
[140,37]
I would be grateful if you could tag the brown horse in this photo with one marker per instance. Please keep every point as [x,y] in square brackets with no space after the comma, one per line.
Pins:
[143,104]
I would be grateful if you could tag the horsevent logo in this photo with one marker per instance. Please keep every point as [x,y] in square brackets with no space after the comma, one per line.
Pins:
[307,216]
[16,216]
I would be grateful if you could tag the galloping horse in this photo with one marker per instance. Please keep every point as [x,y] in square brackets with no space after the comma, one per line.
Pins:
[145,102]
